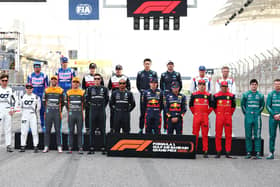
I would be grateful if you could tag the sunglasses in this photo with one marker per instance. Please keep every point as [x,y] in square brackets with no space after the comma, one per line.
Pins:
[97,78]
[54,79]
[122,83]
[5,80]
[29,88]
[76,82]
[201,84]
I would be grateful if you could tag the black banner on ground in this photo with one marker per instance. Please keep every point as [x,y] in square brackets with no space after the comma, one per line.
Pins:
[163,146]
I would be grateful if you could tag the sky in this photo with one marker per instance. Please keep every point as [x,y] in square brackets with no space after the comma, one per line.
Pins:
[113,38]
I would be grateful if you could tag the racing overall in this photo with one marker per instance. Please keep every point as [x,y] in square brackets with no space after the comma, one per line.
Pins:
[194,84]
[201,106]
[166,80]
[65,77]
[273,107]
[53,99]
[39,82]
[30,105]
[88,81]
[114,85]
[97,97]
[7,104]
[75,99]
[175,108]
[152,101]
[143,83]
[252,104]
[122,103]
[224,106]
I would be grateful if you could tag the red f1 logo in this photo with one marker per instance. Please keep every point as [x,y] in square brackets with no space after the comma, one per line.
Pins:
[165,7]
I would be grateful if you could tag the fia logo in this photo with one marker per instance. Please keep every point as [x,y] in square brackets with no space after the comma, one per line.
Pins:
[83,9]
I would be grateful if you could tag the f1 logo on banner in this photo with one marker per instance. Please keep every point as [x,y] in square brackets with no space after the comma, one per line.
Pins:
[164,6]
[147,145]
[138,145]
[157,8]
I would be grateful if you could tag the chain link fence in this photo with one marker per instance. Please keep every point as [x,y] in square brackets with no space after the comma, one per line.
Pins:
[265,67]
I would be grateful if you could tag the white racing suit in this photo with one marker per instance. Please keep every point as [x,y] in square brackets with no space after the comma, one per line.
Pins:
[7,103]
[30,105]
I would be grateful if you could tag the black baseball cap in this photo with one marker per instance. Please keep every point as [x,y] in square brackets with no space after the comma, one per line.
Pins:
[119,67]
[92,66]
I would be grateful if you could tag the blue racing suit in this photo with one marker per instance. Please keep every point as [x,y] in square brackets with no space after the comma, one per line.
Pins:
[65,77]
[39,82]
[152,101]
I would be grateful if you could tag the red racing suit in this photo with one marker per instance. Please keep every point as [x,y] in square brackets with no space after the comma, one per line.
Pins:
[224,105]
[201,106]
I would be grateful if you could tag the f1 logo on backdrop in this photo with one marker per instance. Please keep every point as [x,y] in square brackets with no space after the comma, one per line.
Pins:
[138,145]
[157,8]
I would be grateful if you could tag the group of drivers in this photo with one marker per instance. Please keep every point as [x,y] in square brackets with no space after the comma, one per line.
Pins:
[64,90]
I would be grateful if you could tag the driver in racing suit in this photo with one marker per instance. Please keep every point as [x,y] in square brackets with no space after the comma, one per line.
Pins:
[152,100]
[201,106]
[39,81]
[224,106]
[30,105]
[53,100]
[65,75]
[175,109]
[7,103]
[97,97]
[75,98]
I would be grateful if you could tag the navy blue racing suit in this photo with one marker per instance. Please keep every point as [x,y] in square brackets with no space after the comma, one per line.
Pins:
[143,83]
[166,80]
[152,105]
[175,108]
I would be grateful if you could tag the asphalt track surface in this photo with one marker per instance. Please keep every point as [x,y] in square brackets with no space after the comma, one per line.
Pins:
[53,169]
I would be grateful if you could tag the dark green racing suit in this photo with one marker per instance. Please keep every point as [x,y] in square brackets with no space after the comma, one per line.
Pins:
[273,107]
[252,104]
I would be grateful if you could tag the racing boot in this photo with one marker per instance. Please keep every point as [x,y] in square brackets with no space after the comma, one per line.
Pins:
[9,149]
[69,150]
[22,149]
[205,154]
[81,151]
[141,131]
[248,155]
[270,156]
[91,151]
[103,150]
[46,149]
[59,149]
[258,156]
[218,155]
[228,155]
[36,149]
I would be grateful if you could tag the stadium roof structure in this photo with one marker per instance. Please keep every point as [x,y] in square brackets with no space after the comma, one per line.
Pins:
[256,10]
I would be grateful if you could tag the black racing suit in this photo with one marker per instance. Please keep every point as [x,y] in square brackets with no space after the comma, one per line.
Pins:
[97,97]
[114,85]
[88,81]
[143,83]
[53,100]
[122,103]
[166,80]
[75,105]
